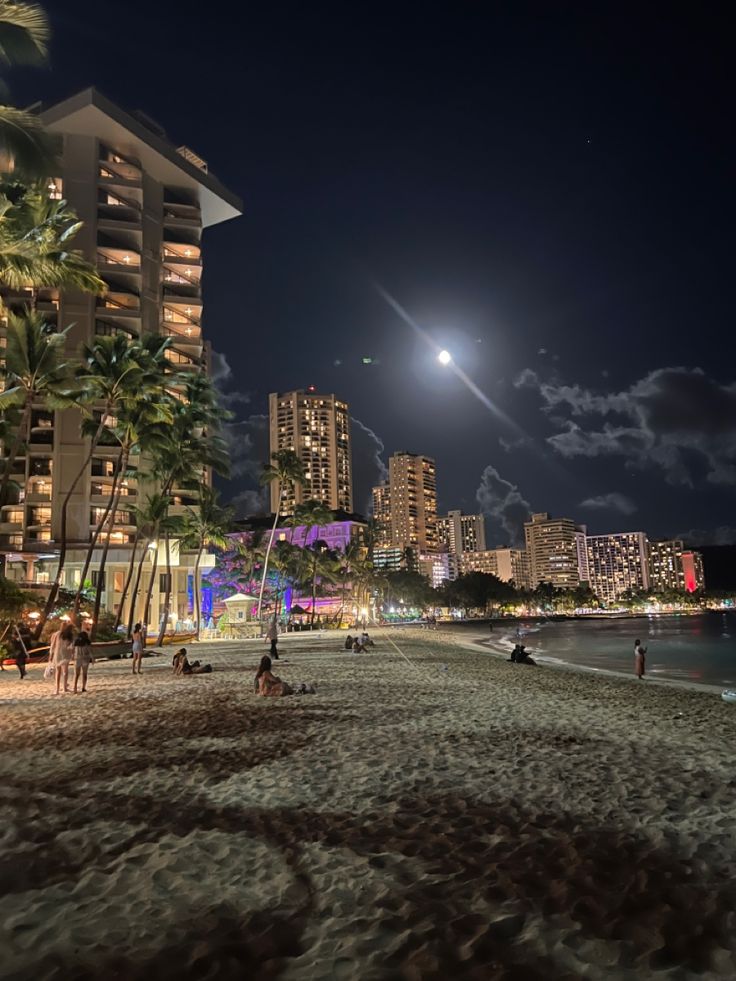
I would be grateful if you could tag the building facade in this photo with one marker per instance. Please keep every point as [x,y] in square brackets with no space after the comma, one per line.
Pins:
[434,566]
[458,532]
[617,563]
[693,572]
[406,507]
[317,428]
[665,565]
[552,548]
[144,204]
[508,564]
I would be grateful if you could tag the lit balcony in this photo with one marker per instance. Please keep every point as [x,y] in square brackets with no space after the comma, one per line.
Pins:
[122,262]
[119,172]
[181,252]
[120,303]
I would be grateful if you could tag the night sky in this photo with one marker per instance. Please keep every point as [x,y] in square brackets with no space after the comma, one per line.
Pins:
[548,190]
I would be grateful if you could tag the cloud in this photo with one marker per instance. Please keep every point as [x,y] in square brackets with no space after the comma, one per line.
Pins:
[222,376]
[677,419]
[251,502]
[369,468]
[502,502]
[610,502]
[723,535]
[521,443]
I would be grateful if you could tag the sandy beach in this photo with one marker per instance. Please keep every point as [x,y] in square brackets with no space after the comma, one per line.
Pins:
[432,812]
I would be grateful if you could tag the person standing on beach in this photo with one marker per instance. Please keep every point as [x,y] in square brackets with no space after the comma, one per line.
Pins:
[82,659]
[20,660]
[640,658]
[137,648]
[272,634]
[61,651]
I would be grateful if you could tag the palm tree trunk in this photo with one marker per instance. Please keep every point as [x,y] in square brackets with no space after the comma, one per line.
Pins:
[167,601]
[314,592]
[197,592]
[136,589]
[128,577]
[54,592]
[149,594]
[106,547]
[23,424]
[268,554]
[95,535]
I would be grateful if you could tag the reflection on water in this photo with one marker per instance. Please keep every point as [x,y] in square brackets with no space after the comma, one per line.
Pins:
[693,648]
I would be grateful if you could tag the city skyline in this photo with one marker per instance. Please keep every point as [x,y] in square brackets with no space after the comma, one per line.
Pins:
[526,221]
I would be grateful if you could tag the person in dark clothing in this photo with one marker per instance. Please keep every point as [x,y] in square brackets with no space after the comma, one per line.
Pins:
[20,659]
[348,643]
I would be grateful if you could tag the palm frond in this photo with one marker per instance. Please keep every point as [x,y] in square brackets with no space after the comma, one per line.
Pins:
[24,33]
[25,146]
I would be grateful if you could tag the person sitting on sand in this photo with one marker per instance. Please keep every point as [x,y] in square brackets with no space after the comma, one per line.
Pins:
[82,659]
[268,684]
[514,654]
[181,664]
[640,659]
[523,657]
[348,643]
[365,640]
[358,647]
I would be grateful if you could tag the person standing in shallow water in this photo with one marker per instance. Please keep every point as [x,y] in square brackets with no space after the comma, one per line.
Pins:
[640,659]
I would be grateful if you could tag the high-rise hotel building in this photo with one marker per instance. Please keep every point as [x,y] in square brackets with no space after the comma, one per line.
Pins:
[665,565]
[144,204]
[406,507]
[553,551]
[458,532]
[617,563]
[317,428]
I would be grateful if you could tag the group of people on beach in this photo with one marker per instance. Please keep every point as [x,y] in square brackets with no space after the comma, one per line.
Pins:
[65,647]
[358,644]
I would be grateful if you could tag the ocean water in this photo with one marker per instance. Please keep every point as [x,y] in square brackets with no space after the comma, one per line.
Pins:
[699,649]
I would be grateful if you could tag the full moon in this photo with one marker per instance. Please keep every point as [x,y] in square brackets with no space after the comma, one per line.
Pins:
[444,357]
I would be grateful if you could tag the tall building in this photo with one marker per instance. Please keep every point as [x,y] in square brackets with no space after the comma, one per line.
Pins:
[382,514]
[665,565]
[617,563]
[693,572]
[508,564]
[458,532]
[144,204]
[552,550]
[317,428]
[413,501]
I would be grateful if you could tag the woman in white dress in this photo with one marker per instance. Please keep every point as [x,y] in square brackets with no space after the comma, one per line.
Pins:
[61,652]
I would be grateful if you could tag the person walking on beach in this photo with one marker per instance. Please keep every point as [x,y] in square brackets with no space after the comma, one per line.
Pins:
[137,648]
[82,659]
[61,651]
[272,634]
[640,659]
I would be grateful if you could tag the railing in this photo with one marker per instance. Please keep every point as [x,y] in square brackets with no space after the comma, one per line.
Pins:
[108,302]
[126,262]
[172,316]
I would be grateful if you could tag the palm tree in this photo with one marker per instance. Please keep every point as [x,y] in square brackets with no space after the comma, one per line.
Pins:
[148,520]
[313,514]
[287,471]
[35,371]
[137,428]
[189,447]
[207,525]
[24,34]
[114,373]
[36,233]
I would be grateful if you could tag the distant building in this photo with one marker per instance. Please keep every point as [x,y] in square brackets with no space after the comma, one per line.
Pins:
[434,566]
[317,428]
[458,532]
[552,546]
[390,558]
[508,564]
[617,563]
[694,575]
[665,565]
[336,534]
[382,513]
[406,507]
